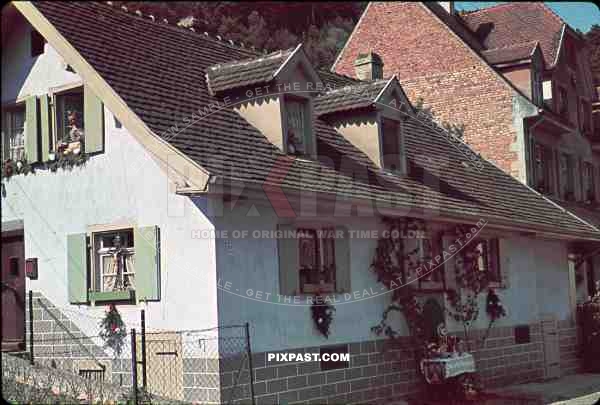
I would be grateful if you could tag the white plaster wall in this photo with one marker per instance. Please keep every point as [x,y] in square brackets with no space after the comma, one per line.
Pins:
[537,271]
[123,184]
[252,263]
[538,280]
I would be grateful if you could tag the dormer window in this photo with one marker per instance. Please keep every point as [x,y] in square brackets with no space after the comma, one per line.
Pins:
[391,145]
[298,126]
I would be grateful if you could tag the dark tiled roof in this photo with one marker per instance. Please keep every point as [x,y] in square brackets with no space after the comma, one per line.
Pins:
[252,71]
[510,53]
[335,80]
[350,97]
[587,213]
[514,23]
[159,71]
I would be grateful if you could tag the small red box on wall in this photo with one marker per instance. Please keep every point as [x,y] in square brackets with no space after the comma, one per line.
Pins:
[31,268]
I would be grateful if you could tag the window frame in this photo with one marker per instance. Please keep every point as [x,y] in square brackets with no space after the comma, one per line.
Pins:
[567,182]
[309,138]
[491,259]
[7,128]
[400,169]
[562,107]
[436,246]
[99,252]
[331,288]
[53,94]
[547,168]
[587,180]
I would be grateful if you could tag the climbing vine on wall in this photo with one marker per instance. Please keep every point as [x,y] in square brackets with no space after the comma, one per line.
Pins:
[471,282]
[394,268]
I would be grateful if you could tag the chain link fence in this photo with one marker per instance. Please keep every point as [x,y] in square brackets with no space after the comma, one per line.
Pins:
[209,366]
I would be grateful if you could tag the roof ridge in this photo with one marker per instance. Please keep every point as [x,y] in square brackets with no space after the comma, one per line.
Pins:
[165,23]
[490,8]
[260,58]
[359,84]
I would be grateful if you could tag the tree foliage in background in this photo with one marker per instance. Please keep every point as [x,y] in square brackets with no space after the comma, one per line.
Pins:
[322,27]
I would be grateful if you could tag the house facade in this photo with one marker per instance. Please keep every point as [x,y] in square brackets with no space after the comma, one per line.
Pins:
[153,167]
[521,86]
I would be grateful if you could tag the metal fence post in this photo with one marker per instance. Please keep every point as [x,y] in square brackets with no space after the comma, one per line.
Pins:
[31,327]
[143,315]
[249,350]
[134,381]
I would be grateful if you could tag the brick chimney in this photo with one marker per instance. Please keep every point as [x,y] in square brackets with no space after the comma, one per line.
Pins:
[448,6]
[368,66]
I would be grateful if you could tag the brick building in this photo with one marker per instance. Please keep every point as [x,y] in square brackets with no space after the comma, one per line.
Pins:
[515,75]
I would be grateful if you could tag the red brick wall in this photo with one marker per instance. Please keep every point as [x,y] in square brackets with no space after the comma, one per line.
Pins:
[433,63]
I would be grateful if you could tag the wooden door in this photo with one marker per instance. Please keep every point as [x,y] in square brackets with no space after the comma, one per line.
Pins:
[164,364]
[551,347]
[13,293]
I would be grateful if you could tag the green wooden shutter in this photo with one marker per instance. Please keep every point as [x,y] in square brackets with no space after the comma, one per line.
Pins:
[45,126]
[93,121]
[77,268]
[288,262]
[31,131]
[146,242]
[342,260]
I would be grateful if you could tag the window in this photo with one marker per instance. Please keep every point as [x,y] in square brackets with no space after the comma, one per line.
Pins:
[536,87]
[566,177]
[488,260]
[547,92]
[585,121]
[69,119]
[298,131]
[114,261]
[13,143]
[563,101]
[37,43]
[316,253]
[391,149]
[588,182]
[543,169]
[429,248]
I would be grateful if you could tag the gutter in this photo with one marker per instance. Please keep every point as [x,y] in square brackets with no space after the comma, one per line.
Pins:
[432,214]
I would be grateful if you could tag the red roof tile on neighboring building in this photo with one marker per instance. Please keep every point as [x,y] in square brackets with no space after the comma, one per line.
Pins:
[514,23]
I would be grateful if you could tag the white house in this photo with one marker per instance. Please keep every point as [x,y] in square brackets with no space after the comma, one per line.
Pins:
[200,154]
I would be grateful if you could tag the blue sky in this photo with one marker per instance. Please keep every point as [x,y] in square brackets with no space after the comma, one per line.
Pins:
[580,15]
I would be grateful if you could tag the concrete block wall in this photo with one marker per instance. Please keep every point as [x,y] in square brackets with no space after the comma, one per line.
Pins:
[379,373]
[60,346]
[568,335]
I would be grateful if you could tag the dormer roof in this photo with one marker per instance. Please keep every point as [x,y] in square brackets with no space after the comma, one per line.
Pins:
[512,53]
[359,96]
[258,70]
[242,73]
